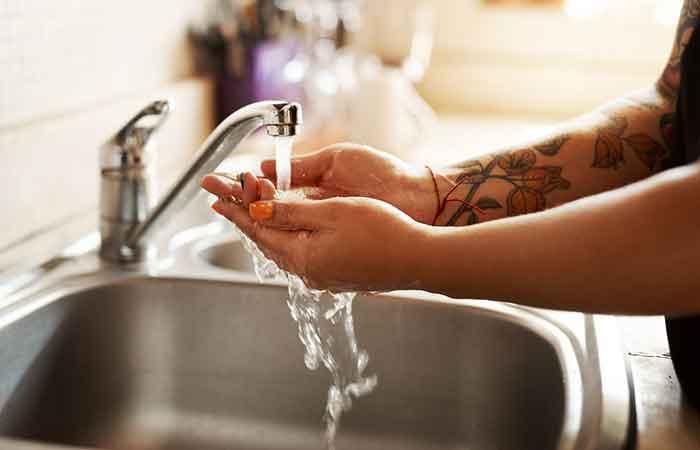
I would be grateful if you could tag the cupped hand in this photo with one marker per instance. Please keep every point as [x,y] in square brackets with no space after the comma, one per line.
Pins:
[340,244]
[351,170]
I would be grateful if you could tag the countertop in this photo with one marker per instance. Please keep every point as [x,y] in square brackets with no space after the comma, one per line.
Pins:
[458,137]
[664,420]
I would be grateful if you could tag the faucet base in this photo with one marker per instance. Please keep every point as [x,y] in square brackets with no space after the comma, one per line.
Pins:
[112,248]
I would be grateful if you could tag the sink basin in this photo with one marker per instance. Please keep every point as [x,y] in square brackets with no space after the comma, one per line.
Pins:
[193,353]
[227,254]
[174,363]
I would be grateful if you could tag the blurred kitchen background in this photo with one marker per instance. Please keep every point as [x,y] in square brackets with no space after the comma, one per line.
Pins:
[429,80]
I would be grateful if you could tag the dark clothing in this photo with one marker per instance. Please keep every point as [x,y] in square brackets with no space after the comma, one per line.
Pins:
[684,333]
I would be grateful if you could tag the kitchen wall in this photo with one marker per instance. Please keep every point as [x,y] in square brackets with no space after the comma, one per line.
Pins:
[543,61]
[71,73]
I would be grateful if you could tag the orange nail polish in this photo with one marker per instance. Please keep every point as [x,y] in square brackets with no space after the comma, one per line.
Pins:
[261,210]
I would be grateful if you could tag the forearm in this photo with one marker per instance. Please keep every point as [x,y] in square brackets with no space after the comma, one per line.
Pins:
[631,251]
[621,143]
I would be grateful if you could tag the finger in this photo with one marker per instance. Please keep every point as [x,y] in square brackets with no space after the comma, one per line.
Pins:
[251,189]
[221,186]
[296,215]
[267,189]
[230,176]
[307,170]
[275,244]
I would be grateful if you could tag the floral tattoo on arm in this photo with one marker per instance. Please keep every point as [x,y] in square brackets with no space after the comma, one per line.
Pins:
[529,182]
[612,141]
[689,21]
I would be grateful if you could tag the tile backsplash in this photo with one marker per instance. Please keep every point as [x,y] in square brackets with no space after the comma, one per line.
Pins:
[72,73]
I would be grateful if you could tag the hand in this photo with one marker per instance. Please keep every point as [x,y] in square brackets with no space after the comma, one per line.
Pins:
[340,244]
[351,170]
[242,189]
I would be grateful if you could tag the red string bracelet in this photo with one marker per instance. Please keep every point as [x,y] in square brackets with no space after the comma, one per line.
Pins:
[438,207]
[442,204]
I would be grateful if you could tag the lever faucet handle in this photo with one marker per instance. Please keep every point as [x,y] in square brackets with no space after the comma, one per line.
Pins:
[127,147]
[127,185]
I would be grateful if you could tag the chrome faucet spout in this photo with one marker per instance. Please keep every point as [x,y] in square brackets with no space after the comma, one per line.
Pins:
[279,118]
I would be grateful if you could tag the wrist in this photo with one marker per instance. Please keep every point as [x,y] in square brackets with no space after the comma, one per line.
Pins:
[418,271]
[458,204]
[445,262]
[428,187]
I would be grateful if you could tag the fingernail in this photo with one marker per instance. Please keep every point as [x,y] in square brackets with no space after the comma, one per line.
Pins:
[261,210]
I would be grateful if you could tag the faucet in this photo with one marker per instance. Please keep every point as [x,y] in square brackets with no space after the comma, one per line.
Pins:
[128,219]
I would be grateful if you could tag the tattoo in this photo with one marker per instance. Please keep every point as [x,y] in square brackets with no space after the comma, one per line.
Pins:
[611,142]
[646,104]
[609,145]
[552,147]
[666,128]
[530,183]
[689,20]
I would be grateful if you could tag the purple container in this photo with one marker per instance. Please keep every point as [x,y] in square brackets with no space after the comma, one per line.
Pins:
[255,73]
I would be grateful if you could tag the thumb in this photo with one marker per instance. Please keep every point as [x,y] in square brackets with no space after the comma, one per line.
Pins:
[306,170]
[297,215]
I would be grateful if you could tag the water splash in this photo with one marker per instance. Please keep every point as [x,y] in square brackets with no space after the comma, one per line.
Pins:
[325,327]
[324,321]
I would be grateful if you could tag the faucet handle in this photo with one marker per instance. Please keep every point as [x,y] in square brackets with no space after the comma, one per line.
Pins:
[127,147]
[127,184]
[159,110]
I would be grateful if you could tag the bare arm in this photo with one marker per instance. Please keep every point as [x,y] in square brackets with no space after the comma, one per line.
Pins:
[631,251]
[620,143]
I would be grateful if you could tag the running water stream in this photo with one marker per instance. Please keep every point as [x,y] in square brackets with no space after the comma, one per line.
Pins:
[324,321]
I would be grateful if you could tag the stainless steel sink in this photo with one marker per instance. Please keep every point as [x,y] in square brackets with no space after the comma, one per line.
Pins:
[227,254]
[193,357]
